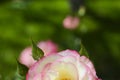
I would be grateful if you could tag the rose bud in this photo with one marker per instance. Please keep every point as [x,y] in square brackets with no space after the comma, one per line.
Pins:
[71,22]
[48,47]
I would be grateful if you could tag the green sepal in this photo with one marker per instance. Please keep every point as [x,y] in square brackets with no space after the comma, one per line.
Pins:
[18,77]
[37,53]
[22,69]
[83,51]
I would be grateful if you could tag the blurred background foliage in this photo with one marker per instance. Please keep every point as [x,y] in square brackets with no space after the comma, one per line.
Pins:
[99,31]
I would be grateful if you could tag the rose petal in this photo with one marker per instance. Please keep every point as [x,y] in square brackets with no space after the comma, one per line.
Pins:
[39,66]
[88,63]
[58,71]
[69,53]
[82,68]
[48,47]
[26,57]
[37,77]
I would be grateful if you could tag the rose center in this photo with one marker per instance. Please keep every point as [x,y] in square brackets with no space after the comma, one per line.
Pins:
[64,75]
[59,71]
[65,79]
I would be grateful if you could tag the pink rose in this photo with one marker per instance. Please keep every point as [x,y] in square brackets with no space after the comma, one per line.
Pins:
[71,22]
[65,65]
[26,58]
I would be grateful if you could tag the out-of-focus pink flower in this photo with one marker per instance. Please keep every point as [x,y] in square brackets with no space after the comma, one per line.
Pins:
[65,65]
[71,22]
[48,47]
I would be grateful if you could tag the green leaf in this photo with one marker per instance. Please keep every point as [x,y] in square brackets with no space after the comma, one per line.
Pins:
[22,69]
[83,51]
[37,53]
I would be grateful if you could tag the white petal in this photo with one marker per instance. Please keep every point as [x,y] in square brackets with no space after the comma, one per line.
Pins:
[69,53]
[86,61]
[40,65]
[62,70]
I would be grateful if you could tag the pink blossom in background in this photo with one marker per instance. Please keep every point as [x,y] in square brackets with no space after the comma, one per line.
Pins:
[65,65]
[71,22]
[48,47]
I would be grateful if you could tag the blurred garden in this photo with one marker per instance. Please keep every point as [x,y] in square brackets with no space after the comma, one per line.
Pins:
[99,31]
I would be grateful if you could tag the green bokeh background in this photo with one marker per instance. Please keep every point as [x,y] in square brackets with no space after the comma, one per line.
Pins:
[99,31]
